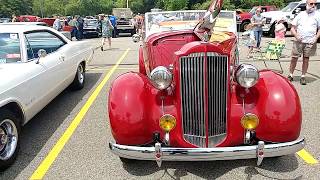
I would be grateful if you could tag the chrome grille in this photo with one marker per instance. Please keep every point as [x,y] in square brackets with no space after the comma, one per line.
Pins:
[196,107]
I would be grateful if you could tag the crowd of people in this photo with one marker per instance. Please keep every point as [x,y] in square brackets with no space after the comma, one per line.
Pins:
[305,30]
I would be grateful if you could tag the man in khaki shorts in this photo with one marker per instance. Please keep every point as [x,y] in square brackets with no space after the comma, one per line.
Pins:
[306,30]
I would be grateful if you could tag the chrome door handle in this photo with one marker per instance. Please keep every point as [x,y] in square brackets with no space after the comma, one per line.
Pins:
[61,58]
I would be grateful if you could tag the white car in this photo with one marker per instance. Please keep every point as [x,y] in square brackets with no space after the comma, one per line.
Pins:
[36,64]
[287,13]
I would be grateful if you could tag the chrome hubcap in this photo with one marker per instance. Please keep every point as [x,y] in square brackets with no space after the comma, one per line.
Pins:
[80,74]
[8,139]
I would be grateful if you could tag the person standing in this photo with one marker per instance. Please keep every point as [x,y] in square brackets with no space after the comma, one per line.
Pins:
[306,30]
[257,21]
[248,35]
[80,23]
[113,21]
[14,18]
[74,24]
[106,31]
[280,31]
[57,23]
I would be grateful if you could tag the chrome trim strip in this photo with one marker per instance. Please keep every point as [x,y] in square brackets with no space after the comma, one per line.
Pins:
[206,154]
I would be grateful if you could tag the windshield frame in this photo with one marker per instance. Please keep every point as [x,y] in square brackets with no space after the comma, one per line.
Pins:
[294,5]
[151,21]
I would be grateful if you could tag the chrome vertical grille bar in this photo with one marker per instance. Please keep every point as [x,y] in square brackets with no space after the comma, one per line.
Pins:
[217,94]
[193,97]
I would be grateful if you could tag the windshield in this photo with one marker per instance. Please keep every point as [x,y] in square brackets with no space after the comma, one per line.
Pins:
[172,20]
[290,7]
[9,48]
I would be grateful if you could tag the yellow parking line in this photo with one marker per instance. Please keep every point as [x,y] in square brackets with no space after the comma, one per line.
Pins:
[307,157]
[53,154]
[104,69]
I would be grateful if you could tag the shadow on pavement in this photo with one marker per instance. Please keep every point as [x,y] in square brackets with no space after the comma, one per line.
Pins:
[308,78]
[213,169]
[39,129]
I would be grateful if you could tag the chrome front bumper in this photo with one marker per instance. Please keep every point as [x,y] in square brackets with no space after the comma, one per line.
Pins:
[160,154]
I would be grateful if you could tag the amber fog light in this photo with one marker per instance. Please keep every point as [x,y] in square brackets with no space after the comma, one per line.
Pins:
[247,75]
[161,77]
[167,122]
[249,121]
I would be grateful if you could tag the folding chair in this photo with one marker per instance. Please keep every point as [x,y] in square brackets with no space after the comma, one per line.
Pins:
[272,52]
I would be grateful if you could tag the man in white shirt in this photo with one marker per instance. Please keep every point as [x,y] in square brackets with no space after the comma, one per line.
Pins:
[306,30]
[57,24]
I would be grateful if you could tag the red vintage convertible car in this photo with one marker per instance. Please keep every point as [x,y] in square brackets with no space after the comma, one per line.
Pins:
[192,101]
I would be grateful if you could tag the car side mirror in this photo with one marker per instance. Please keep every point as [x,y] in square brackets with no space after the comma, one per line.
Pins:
[41,54]
[297,11]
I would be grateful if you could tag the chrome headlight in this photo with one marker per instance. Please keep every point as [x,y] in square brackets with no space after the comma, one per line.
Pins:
[247,75]
[161,77]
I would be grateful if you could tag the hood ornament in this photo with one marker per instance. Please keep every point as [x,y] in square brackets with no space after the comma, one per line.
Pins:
[207,23]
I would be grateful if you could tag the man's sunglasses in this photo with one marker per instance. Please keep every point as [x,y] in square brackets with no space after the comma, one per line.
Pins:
[311,4]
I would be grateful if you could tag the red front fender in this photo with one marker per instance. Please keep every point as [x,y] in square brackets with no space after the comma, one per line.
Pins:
[277,105]
[279,108]
[134,109]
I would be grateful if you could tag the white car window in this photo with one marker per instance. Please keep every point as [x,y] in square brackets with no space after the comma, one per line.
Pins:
[10,48]
[42,40]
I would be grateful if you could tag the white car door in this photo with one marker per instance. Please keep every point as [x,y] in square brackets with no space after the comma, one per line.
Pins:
[50,69]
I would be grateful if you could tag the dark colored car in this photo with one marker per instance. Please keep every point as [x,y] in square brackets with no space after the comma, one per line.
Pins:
[91,27]
[5,20]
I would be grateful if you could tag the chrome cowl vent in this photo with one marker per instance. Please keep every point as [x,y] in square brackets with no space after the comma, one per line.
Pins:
[204,81]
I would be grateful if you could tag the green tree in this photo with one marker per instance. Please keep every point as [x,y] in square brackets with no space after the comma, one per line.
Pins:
[204,6]
[18,7]
[172,5]
[137,6]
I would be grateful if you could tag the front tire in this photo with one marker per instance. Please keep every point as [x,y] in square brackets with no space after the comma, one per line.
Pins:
[79,80]
[9,138]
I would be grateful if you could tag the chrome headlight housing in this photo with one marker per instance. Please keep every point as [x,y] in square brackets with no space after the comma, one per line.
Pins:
[247,75]
[161,77]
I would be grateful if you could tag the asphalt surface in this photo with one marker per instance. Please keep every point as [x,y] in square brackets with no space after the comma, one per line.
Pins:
[86,154]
